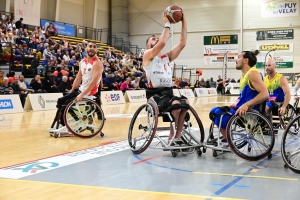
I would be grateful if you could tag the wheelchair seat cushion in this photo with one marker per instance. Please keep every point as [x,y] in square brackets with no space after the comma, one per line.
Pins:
[216,113]
[165,102]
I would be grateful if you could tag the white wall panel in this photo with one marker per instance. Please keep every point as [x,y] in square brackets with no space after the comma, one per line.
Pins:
[71,12]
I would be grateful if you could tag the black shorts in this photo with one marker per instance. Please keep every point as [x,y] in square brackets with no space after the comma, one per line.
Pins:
[163,97]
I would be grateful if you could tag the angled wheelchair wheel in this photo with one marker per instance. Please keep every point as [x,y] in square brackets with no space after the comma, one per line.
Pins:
[84,119]
[290,145]
[289,115]
[250,136]
[192,131]
[143,127]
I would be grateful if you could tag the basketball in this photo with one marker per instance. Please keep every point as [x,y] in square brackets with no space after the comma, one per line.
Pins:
[174,14]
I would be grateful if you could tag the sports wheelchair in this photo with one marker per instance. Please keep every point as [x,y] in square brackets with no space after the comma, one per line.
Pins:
[290,144]
[250,137]
[144,131]
[84,119]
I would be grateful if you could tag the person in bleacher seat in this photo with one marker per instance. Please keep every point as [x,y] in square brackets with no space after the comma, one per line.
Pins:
[126,85]
[17,90]
[23,85]
[48,83]
[1,76]
[36,84]
[65,85]
[5,88]
[110,82]
[135,84]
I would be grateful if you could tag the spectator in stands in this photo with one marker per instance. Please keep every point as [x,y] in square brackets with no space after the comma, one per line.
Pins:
[136,72]
[20,32]
[212,83]
[36,84]
[184,84]
[19,53]
[23,85]
[5,87]
[19,24]
[66,56]
[64,86]
[51,30]
[3,40]
[143,83]
[197,84]
[127,63]
[11,38]
[202,83]
[233,81]
[47,52]
[220,85]
[1,76]
[17,90]
[11,77]
[126,85]
[135,84]
[110,82]
[48,83]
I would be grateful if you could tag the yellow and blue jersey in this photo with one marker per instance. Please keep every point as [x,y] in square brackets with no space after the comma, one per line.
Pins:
[274,87]
[247,92]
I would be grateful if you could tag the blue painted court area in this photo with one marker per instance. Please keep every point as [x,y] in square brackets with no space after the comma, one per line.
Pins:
[114,166]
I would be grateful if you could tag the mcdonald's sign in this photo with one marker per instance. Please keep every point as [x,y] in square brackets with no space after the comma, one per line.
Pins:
[220,39]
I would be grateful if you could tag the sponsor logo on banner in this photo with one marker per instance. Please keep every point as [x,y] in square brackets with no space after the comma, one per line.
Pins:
[112,97]
[35,167]
[279,8]
[281,61]
[6,104]
[284,47]
[212,91]
[158,72]
[287,34]
[220,39]
[42,102]
[138,97]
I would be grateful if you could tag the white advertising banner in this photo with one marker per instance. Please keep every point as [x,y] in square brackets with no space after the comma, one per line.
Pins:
[188,93]
[201,92]
[29,10]
[212,91]
[10,104]
[42,101]
[214,54]
[135,96]
[112,97]
[279,8]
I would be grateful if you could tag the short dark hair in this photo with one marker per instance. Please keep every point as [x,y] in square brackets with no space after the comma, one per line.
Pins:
[251,55]
[149,38]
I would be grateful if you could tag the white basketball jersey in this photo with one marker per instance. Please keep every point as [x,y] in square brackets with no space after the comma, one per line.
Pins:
[87,71]
[159,72]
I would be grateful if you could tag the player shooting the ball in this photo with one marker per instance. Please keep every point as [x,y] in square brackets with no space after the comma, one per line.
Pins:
[159,73]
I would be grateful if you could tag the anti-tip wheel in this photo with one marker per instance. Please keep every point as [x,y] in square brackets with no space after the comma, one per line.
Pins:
[215,154]
[204,150]
[199,152]
[102,134]
[270,156]
[174,154]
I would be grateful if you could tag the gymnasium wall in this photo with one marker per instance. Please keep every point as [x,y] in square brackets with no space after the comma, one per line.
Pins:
[253,22]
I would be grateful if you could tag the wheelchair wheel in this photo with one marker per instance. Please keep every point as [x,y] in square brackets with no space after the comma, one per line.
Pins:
[290,145]
[143,127]
[289,115]
[192,131]
[250,136]
[84,119]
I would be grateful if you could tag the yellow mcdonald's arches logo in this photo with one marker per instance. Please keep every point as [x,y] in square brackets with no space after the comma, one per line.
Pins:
[215,40]
[274,46]
[223,39]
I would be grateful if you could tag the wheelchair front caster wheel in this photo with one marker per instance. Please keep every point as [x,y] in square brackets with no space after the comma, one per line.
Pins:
[204,150]
[55,135]
[174,154]
[285,166]
[199,152]
[270,156]
[215,154]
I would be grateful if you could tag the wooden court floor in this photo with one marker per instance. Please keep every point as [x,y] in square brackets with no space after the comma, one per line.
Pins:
[24,138]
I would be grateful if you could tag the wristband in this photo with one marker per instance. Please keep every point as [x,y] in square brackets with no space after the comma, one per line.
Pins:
[167,25]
